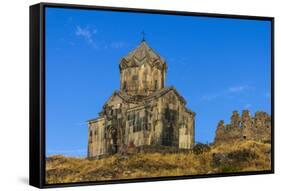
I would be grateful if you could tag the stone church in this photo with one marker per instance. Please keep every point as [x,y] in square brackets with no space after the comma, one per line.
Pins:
[143,112]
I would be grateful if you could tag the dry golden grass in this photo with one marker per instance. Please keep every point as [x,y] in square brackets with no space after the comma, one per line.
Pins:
[223,158]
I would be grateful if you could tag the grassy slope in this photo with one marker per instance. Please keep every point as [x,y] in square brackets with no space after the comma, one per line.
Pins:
[231,157]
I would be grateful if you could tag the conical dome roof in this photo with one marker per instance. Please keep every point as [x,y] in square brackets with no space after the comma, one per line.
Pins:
[143,53]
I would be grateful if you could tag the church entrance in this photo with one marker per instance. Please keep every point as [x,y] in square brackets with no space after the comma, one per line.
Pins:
[168,131]
[168,135]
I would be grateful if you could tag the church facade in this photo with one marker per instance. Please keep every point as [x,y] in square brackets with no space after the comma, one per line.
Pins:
[143,112]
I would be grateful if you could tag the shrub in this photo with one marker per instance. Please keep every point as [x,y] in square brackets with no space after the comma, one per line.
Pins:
[201,148]
[233,161]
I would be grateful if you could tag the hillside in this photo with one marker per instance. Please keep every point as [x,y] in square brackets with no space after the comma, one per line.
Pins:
[221,158]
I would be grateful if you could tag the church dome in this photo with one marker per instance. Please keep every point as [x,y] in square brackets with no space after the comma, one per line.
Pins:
[142,54]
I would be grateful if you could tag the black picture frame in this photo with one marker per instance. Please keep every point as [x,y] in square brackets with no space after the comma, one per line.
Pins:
[37,92]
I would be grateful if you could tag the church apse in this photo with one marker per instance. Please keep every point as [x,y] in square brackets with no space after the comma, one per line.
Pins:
[144,112]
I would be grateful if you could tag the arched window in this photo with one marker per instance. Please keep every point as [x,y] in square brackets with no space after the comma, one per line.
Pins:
[124,85]
[90,137]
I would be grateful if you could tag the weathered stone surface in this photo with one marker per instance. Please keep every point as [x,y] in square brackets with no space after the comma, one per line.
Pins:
[235,119]
[144,112]
[142,71]
[246,127]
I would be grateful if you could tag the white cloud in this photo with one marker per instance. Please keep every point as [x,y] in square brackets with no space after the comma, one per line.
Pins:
[81,124]
[247,106]
[227,92]
[235,89]
[86,33]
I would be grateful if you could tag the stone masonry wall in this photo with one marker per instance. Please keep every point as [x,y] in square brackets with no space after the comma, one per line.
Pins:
[245,127]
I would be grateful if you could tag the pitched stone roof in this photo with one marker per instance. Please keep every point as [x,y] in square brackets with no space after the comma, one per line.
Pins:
[141,100]
[143,53]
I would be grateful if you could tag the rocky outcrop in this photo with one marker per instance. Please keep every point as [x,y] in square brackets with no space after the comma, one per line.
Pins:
[245,127]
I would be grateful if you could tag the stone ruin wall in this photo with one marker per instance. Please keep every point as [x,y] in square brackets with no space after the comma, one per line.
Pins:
[245,127]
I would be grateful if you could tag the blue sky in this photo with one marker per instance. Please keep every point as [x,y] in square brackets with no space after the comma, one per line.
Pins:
[218,65]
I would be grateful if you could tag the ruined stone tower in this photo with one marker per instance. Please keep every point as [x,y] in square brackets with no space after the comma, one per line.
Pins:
[143,112]
[245,127]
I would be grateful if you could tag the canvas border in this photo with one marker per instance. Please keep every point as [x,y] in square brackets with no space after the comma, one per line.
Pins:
[37,141]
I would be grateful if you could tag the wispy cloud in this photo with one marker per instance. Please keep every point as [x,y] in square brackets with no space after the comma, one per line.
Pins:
[90,36]
[86,33]
[227,92]
[81,124]
[235,89]
[248,106]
